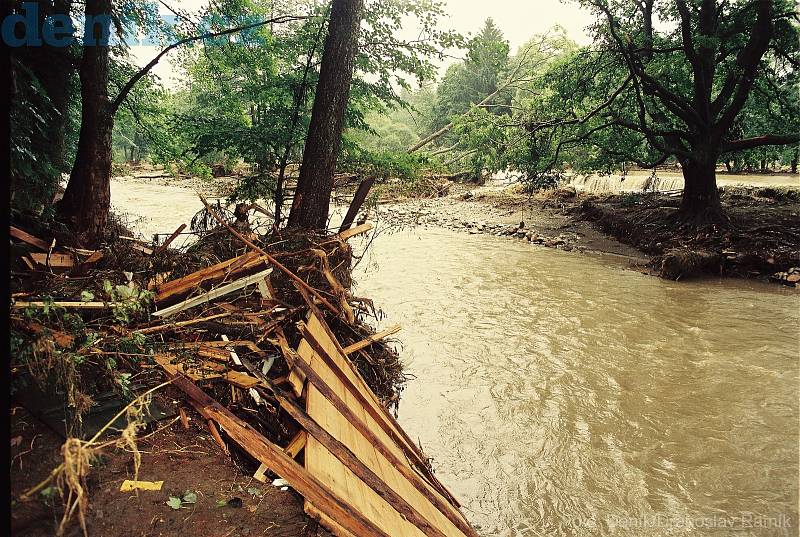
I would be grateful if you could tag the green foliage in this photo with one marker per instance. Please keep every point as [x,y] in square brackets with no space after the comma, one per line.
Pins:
[34,175]
[249,96]
[381,164]
[127,301]
[177,502]
[591,117]
[494,137]
[469,82]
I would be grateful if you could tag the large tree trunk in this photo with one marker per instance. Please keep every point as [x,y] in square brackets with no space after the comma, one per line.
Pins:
[700,202]
[313,195]
[87,199]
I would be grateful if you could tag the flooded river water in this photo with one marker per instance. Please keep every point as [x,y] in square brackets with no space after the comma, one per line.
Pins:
[562,394]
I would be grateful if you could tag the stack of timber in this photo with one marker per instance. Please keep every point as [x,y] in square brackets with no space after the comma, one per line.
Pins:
[273,352]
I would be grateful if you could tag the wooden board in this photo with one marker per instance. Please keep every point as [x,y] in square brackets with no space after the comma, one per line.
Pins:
[26,237]
[213,294]
[55,260]
[334,507]
[61,304]
[352,232]
[366,342]
[420,494]
[234,267]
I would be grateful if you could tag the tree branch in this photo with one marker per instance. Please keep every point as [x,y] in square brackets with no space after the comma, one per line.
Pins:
[747,63]
[759,141]
[126,89]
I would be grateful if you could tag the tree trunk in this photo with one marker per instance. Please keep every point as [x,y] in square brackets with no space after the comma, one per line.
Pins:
[52,66]
[313,194]
[700,202]
[87,198]
[794,161]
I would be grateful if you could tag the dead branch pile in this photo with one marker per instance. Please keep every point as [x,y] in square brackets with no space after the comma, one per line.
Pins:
[264,339]
[264,311]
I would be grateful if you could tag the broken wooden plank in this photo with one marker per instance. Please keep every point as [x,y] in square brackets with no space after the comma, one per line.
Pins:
[352,232]
[94,257]
[296,444]
[217,344]
[371,339]
[241,380]
[264,451]
[346,457]
[214,354]
[213,294]
[261,473]
[217,437]
[169,240]
[233,267]
[172,326]
[184,418]
[355,205]
[61,304]
[195,371]
[27,238]
[53,260]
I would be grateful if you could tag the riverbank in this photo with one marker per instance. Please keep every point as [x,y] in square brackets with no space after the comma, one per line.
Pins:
[761,239]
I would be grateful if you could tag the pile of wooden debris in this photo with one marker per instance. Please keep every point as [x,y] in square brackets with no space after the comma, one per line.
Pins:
[268,346]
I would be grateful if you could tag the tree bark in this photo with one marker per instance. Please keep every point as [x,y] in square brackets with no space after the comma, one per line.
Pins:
[313,194]
[700,202]
[87,199]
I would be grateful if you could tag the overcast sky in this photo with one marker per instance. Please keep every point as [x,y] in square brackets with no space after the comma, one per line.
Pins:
[518,19]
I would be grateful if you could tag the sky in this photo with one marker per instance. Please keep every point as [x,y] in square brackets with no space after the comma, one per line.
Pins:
[518,19]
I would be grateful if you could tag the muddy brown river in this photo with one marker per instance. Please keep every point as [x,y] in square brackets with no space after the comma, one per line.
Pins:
[563,394]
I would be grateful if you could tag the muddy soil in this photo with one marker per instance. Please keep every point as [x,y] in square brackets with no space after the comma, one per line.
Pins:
[184,460]
[759,238]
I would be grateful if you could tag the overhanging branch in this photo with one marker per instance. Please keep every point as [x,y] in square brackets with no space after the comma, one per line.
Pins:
[126,89]
[759,141]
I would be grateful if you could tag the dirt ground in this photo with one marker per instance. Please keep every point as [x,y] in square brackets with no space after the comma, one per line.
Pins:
[184,460]
[760,237]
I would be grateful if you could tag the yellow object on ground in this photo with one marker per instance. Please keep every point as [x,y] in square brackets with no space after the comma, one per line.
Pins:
[129,485]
